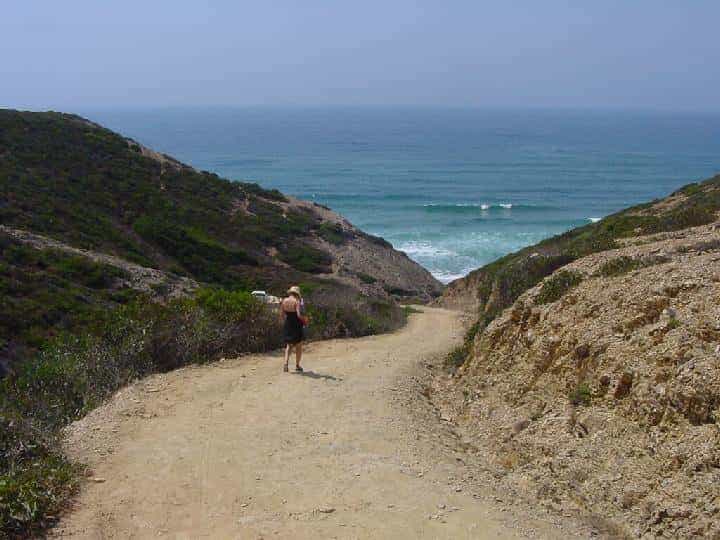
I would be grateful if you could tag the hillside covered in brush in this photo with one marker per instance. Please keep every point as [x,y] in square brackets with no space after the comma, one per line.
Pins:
[591,379]
[99,198]
[117,262]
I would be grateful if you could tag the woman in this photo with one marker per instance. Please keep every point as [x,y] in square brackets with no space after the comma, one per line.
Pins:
[293,322]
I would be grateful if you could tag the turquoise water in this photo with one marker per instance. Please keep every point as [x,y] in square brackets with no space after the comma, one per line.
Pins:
[454,188]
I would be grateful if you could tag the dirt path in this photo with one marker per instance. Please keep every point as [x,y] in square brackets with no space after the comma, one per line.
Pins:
[238,449]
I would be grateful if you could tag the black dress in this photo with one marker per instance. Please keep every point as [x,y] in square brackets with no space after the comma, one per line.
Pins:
[293,328]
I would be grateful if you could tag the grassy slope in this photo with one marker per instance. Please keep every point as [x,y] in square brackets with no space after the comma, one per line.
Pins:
[74,181]
[46,292]
[497,285]
[87,186]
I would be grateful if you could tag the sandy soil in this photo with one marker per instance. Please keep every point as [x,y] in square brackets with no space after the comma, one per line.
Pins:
[238,449]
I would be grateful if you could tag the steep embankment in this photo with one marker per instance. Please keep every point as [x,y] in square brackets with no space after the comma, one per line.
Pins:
[74,182]
[597,390]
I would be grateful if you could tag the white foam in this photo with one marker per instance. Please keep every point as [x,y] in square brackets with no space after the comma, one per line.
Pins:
[481,206]
[456,205]
[424,249]
[593,219]
[445,276]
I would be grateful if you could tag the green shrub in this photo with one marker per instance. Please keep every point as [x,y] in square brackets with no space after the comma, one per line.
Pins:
[47,292]
[556,286]
[580,395]
[366,278]
[459,354]
[456,357]
[306,258]
[338,311]
[398,291]
[690,216]
[689,189]
[369,326]
[270,194]
[207,259]
[319,318]
[84,271]
[35,480]
[409,310]
[228,305]
[71,375]
[332,233]
[309,287]
[618,266]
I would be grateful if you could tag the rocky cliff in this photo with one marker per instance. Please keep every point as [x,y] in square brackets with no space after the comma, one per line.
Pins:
[596,390]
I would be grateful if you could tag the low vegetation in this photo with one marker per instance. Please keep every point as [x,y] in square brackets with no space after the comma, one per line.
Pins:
[624,264]
[332,232]
[619,266]
[457,356]
[35,479]
[366,278]
[673,323]
[306,258]
[84,185]
[557,285]
[47,292]
[581,395]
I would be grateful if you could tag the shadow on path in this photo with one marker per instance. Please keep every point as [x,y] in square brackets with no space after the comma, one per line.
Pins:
[313,375]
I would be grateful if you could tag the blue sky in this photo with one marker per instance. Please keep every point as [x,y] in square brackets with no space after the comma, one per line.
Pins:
[78,54]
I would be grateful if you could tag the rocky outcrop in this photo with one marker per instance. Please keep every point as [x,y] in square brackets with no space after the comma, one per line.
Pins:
[597,392]
[366,262]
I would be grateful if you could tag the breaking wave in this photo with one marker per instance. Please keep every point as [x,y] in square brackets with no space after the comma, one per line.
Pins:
[482,207]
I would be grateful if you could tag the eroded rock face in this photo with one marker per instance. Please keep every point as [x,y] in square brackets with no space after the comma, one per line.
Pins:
[368,263]
[616,386]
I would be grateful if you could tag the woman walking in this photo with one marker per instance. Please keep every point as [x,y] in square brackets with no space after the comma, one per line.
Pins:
[293,322]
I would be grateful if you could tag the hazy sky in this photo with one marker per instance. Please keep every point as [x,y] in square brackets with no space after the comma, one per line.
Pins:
[75,54]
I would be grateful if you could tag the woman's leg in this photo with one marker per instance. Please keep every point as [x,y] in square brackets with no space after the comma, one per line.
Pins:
[287,356]
[298,353]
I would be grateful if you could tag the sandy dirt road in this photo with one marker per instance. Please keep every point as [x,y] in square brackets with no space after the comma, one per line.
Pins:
[238,449]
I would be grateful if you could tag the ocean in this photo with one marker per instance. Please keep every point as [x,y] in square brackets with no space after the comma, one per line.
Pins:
[453,188]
